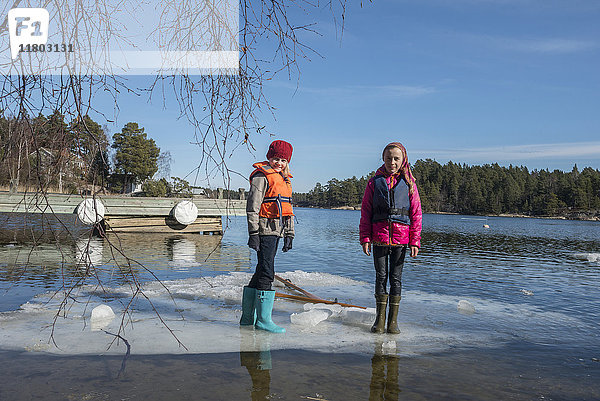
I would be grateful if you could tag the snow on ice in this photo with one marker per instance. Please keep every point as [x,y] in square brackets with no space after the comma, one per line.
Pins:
[204,314]
[590,257]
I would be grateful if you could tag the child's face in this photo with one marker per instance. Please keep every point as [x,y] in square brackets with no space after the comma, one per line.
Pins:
[393,159]
[277,163]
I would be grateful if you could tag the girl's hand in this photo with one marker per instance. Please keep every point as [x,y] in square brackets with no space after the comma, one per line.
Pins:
[366,248]
[414,251]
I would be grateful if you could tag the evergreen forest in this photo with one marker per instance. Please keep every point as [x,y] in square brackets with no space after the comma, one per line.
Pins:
[480,190]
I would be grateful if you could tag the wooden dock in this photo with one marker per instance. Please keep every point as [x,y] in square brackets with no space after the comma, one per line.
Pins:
[130,214]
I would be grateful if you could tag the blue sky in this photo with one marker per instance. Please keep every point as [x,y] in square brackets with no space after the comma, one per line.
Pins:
[472,81]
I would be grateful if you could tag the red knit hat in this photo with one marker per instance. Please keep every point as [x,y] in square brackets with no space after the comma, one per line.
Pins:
[280,149]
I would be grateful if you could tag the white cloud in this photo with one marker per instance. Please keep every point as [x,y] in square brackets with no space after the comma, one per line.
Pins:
[397,90]
[548,46]
[518,152]
[372,91]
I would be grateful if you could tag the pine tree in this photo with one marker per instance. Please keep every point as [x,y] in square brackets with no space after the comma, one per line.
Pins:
[136,155]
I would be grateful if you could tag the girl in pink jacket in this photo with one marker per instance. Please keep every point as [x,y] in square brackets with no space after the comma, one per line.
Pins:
[390,221]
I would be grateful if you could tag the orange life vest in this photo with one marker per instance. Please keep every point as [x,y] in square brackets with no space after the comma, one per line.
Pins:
[278,198]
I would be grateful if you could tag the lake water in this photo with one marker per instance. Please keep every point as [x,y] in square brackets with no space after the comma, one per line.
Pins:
[534,333]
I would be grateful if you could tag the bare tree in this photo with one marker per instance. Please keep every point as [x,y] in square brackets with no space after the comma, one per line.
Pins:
[225,106]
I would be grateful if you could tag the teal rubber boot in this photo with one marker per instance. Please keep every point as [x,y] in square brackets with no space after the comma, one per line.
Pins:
[264,308]
[248,309]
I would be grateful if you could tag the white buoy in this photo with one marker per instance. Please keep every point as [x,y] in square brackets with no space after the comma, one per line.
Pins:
[486,226]
[102,315]
[185,212]
[90,211]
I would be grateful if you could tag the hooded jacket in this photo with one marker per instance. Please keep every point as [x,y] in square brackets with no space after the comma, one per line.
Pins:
[387,232]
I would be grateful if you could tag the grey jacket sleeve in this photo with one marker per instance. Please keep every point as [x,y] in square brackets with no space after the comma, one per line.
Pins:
[289,226]
[258,188]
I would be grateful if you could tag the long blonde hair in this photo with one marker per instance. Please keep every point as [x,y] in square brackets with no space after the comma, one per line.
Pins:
[405,170]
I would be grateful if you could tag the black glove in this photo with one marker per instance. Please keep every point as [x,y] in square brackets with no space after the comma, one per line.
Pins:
[287,243]
[254,242]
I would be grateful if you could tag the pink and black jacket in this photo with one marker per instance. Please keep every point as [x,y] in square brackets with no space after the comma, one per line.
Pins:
[398,226]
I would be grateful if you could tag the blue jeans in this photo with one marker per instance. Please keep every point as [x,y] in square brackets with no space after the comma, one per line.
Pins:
[265,269]
[389,261]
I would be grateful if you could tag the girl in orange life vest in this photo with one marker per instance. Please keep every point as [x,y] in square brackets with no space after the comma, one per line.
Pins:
[269,212]
[390,221]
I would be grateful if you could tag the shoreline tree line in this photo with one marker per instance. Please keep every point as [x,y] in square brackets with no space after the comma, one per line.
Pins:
[479,190]
[49,154]
[46,152]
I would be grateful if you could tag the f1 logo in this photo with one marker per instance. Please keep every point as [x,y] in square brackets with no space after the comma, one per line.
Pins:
[27,26]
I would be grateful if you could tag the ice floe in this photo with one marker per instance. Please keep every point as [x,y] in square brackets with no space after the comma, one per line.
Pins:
[590,257]
[465,307]
[202,316]
[101,317]
[310,318]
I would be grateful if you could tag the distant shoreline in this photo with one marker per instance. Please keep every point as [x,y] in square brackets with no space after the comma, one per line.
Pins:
[581,216]
[577,216]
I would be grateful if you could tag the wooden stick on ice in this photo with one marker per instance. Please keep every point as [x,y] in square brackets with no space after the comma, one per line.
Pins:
[315,301]
[293,286]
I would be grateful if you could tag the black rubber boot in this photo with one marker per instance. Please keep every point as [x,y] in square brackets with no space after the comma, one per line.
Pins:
[379,325]
[392,327]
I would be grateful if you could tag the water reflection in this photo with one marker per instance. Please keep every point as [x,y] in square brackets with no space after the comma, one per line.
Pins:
[40,227]
[112,261]
[41,263]
[255,356]
[51,241]
[384,373]
[181,250]
[88,252]
[128,249]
